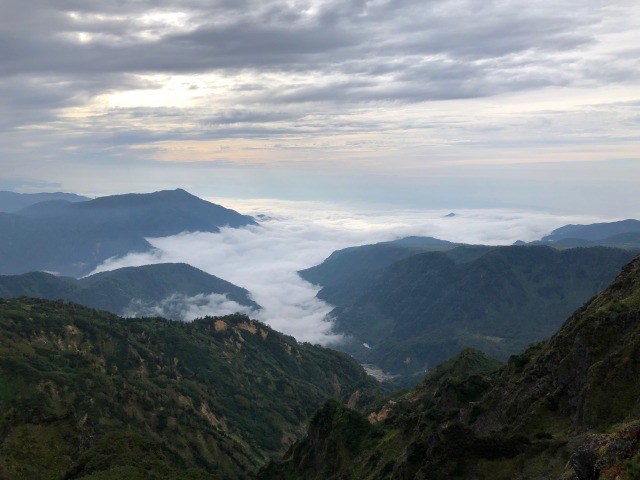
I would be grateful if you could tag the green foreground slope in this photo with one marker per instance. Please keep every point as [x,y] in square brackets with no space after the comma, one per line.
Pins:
[566,408]
[87,394]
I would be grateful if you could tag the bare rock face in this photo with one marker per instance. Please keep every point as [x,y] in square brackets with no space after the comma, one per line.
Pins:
[584,465]
[383,414]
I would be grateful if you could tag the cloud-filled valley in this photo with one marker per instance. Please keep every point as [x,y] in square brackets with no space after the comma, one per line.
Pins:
[264,259]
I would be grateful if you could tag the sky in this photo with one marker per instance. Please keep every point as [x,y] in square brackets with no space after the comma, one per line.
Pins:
[296,235]
[399,103]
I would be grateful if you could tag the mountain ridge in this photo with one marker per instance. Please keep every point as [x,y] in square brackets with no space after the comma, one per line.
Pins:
[424,308]
[593,232]
[72,239]
[12,202]
[118,290]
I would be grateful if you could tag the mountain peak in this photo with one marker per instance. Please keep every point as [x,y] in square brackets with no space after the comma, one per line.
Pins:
[74,238]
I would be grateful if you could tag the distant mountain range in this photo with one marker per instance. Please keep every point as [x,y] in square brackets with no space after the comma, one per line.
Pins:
[566,408]
[594,232]
[73,238]
[86,394]
[410,304]
[622,234]
[128,291]
[12,202]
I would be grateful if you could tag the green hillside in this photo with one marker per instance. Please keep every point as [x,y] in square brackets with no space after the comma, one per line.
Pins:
[427,307]
[350,271]
[566,408]
[87,394]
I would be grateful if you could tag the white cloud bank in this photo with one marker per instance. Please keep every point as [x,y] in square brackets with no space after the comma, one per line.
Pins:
[184,307]
[264,259]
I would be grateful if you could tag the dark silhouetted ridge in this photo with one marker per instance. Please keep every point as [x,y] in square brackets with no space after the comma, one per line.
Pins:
[12,202]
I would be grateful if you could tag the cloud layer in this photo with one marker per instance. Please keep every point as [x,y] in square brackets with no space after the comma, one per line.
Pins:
[186,308]
[265,259]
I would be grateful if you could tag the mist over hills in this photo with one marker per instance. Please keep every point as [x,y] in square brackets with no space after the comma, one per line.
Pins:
[73,238]
[86,394]
[130,291]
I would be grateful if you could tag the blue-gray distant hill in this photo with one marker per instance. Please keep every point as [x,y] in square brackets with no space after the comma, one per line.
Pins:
[73,238]
[621,234]
[12,202]
[125,289]
[593,232]
[415,307]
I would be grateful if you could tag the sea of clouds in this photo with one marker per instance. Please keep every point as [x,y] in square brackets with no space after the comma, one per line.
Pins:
[293,236]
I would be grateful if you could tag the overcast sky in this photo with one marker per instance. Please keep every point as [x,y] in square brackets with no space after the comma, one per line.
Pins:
[437,104]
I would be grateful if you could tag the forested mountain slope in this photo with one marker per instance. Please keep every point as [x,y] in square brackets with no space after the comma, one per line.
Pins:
[425,308]
[566,408]
[86,394]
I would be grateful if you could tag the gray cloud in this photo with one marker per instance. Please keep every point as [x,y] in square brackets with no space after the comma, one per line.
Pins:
[311,69]
[274,35]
